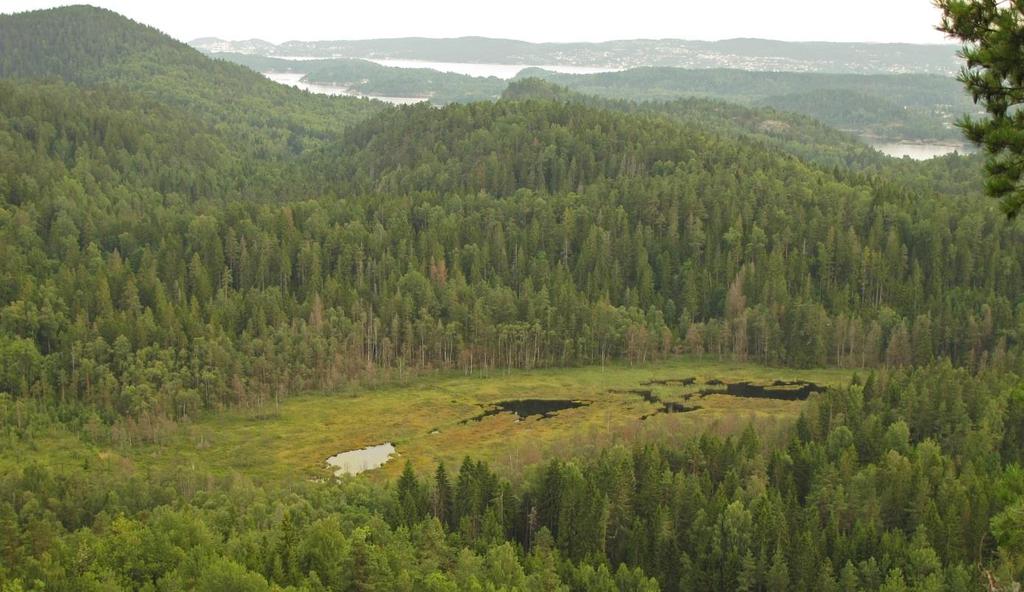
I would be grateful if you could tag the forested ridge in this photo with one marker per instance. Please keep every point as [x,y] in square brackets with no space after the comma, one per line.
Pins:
[899,106]
[179,235]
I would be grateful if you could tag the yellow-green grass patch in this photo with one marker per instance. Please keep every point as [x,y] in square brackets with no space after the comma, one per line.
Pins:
[431,419]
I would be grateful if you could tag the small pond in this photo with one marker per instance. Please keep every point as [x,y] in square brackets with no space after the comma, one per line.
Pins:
[524,408]
[779,390]
[354,462]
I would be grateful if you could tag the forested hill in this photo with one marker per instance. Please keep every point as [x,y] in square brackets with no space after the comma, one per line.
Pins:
[81,43]
[904,106]
[799,135]
[92,46]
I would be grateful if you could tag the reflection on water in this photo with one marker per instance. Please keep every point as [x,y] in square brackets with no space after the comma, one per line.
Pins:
[918,151]
[295,79]
[354,462]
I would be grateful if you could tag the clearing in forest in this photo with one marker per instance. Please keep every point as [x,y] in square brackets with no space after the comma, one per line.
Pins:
[511,420]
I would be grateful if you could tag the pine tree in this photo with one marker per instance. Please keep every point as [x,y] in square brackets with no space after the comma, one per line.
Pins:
[409,496]
[994,76]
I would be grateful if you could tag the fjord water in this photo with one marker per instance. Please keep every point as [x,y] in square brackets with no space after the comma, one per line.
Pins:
[295,79]
[354,462]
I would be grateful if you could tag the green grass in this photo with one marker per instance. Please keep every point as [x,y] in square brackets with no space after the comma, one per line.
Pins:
[294,440]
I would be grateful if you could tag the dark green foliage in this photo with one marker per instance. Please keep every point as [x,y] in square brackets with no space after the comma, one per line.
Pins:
[804,137]
[412,498]
[994,76]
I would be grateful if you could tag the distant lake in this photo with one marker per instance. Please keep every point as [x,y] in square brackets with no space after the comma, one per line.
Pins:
[295,79]
[919,151]
[503,71]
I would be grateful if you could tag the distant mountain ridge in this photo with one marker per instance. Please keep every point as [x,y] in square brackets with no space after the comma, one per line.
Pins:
[746,54]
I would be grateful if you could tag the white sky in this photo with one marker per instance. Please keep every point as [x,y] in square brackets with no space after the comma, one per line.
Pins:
[909,21]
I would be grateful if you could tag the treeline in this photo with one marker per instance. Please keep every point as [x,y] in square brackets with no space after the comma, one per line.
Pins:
[515,234]
[908,481]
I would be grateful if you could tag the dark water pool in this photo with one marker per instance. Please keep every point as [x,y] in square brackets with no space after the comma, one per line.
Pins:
[781,390]
[526,408]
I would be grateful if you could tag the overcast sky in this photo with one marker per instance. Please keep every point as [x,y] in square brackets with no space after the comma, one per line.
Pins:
[909,21]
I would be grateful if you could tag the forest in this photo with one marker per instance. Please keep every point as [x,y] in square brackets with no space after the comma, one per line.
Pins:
[181,236]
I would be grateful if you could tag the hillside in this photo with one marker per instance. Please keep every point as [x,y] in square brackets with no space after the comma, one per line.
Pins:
[906,106]
[92,46]
[801,136]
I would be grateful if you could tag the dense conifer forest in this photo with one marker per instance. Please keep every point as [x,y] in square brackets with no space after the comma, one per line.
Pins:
[179,236]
